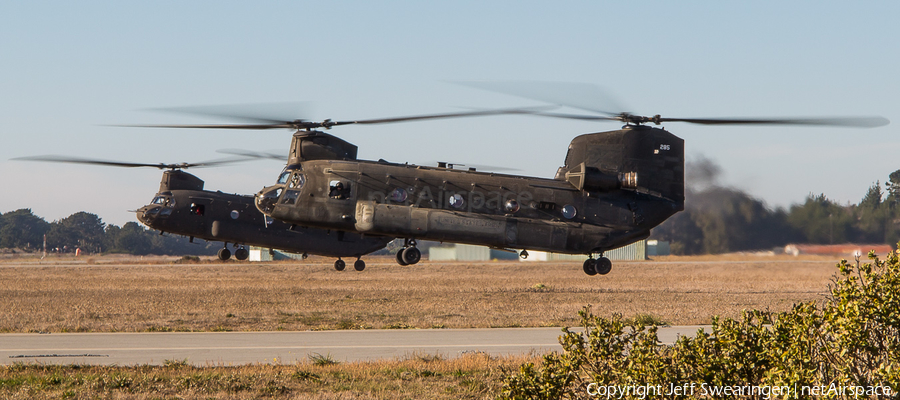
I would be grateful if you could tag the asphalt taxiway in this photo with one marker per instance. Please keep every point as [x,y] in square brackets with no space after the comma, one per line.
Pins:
[238,348]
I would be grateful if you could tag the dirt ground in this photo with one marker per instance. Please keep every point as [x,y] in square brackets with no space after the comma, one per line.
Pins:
[120,293]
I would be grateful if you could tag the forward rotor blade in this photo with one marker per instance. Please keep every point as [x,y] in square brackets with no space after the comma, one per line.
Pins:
[303,124]
[279,125]
[254,154]
[441,116]
[260,113]
[77,160]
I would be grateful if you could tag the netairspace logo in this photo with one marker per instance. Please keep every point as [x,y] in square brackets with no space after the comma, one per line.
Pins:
[718,391]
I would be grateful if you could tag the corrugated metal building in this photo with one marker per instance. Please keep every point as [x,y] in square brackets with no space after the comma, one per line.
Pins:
[465,252]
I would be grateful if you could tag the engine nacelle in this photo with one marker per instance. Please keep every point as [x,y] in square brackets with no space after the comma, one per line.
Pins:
[592,179]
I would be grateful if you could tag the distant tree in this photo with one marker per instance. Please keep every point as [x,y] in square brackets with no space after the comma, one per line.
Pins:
[872,215]
[22,229]
[822,221]
[132,238]
[682,233]
[81,229]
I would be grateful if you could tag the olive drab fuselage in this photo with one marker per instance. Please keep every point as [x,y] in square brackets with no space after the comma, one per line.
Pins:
[182,207]
[614,187]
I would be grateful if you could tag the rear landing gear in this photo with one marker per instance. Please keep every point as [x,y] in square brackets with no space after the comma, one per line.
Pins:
[339,264]
[409,254]
[359,265]
[600,266]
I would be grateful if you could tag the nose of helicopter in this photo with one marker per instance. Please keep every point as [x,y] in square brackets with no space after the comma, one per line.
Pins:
[267,197]
[147,214]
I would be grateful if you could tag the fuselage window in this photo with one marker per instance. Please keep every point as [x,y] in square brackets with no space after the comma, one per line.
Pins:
[198,209]
[338,190]
[399,195]
[290,197]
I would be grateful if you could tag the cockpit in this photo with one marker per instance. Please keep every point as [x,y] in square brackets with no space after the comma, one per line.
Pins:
[286,190]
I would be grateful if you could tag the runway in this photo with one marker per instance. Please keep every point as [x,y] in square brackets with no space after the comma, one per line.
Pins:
[239,348]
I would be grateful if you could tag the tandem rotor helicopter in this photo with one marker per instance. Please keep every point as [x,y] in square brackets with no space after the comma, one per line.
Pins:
[613,187]
[183,207]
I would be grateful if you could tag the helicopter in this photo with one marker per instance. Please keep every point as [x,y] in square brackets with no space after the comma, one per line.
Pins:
[182,207]
[613,188]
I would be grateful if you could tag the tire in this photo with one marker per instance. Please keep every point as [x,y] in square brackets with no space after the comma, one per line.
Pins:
[400,257]
[339,265]
[224,254]
[242,254]
[411,255]
[590,266]
[359,265]
[603,266]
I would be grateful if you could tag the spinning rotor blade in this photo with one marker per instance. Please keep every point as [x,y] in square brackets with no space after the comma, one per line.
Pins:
[853,122]
[299,124]
[254,154]
[77,160]
[592,98]
[576,95]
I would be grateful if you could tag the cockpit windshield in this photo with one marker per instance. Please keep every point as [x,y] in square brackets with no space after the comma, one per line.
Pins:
[163,201]
[283,178]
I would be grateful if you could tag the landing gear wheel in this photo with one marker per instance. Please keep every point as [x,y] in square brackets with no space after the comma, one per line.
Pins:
[224,254]
[242,254]
[400,257]
[524,254]
[359,265]
[590,266]
[339,264]
[411,255]
[603,266]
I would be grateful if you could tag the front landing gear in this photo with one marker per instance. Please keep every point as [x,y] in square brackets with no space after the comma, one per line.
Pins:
[242,253]
[409,254]
[224,254]
[600,266]
[339,264]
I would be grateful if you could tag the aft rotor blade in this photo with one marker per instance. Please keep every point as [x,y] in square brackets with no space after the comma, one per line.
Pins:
[856,122]
[582,96]
[77,160]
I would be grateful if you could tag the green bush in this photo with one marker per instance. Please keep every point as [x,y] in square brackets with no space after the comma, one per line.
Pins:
[846,347]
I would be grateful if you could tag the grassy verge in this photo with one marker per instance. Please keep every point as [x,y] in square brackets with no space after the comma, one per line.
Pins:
[473,376]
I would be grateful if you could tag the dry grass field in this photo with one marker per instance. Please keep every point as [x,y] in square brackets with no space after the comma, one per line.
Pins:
[121,294]
[472,376]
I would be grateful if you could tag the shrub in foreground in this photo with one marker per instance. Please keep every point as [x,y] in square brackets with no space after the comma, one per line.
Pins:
[847,346]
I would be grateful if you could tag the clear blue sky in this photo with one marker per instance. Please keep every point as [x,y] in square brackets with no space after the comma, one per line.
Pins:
[70,67]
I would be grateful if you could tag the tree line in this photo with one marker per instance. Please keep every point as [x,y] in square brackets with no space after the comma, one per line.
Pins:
[719,220]
[716,220]
[22,229]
